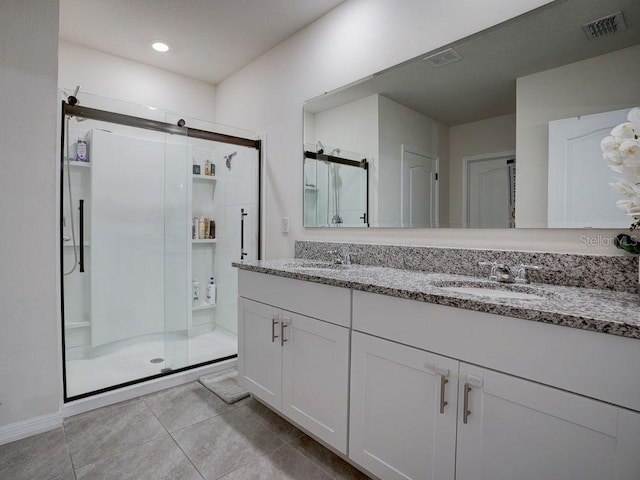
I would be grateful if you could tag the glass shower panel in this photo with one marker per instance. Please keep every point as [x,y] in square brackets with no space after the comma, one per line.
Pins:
[125,243]
[177,292]
[225,188]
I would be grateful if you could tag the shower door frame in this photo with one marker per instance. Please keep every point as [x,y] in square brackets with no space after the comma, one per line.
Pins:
[164,127]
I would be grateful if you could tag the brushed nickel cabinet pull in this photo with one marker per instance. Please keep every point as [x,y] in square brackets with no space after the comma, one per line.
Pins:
[466,412]
[282,327]
[443,402]
[274,322]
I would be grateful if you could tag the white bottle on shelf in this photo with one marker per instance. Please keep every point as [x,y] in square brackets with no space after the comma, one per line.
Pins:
[211,291]
[195,290]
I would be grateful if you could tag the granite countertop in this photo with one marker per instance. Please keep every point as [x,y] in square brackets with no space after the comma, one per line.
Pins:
[605,311]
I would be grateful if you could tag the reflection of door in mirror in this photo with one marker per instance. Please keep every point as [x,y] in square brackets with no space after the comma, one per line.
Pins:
[489,192]
[578,194]
[419,190]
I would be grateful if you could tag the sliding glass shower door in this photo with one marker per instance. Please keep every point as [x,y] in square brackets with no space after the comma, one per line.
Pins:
[136,266]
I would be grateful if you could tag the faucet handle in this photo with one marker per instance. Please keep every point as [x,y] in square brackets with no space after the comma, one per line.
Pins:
[522,272]
[348,257]
[493,276]
[338,258]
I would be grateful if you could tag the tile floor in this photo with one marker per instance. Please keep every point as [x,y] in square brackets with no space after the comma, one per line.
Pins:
[182,433]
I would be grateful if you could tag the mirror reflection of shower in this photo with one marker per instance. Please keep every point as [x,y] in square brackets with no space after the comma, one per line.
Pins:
[335,186]
[337,183]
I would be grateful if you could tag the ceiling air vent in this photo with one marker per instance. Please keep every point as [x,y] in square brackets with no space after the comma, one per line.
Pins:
[444,57]
[605,26]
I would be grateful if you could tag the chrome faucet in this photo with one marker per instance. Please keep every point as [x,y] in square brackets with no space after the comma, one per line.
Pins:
[506,273]
[500,272]
[342,258]
[522,272]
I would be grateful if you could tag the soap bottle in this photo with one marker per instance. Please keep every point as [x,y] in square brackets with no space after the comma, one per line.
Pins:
[207,168]
[212,229]
[195,289]
[81,151]
[211,291]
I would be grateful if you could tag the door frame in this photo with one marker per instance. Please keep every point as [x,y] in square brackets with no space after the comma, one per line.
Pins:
[466,163]
[417,151]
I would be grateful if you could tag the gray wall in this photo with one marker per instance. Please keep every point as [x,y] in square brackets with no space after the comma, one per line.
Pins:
[30,365]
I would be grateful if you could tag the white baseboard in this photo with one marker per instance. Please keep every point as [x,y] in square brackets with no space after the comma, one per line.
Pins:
[26,428]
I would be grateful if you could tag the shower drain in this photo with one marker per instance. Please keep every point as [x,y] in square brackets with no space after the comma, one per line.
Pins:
[157,360]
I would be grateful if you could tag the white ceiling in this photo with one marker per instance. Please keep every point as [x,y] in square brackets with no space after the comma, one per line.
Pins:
[483,84]
[210,39]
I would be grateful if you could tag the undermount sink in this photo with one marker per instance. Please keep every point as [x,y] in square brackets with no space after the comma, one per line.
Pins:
[493,290]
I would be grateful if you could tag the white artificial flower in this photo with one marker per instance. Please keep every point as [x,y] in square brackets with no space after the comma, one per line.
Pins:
[630,152]
[634,119]
[609,144]
[614,160]
[629,206]
[628,188]
[622,132]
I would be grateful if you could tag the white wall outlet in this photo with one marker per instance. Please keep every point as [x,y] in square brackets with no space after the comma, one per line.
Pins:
[284,225]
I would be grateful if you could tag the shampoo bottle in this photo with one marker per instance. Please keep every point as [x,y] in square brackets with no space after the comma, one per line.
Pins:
[211,291]
[201,228]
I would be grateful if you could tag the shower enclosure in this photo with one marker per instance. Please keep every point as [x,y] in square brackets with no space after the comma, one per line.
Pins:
[336,187]
[136,261]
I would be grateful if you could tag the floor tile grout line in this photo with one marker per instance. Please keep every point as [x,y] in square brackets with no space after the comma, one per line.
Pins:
[272,452]
[314,461]
[231,409]
[66,442]
[187,456]
[132,400]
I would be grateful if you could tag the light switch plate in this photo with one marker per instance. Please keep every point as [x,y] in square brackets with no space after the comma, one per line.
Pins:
[284,225]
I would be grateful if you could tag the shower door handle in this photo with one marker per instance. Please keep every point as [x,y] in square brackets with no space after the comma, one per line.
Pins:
[242,252]
[81,224]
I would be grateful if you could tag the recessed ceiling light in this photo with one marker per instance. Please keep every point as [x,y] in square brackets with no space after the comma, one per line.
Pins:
[160,47]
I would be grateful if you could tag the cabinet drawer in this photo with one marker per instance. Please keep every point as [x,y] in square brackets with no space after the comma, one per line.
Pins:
[328,303]
[594,364]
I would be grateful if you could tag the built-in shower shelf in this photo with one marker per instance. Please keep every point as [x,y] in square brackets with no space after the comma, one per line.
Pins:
[204,240]
[71,325]
[309,188]
[211,178]
[204,306]
[79,164]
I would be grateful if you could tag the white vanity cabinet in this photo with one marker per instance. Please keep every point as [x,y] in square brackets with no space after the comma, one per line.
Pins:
[517,429]
[297,364]
[500,427]
[403,410]
[260,352]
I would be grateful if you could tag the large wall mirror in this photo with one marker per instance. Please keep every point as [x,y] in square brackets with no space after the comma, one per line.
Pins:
[501,129]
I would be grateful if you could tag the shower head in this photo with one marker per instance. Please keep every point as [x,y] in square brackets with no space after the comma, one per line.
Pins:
[73,99]
[319,147]
[228,158]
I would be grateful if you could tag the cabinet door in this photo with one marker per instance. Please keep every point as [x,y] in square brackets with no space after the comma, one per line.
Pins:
[259,351]
[398,429]
[315,377]
[516,429]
